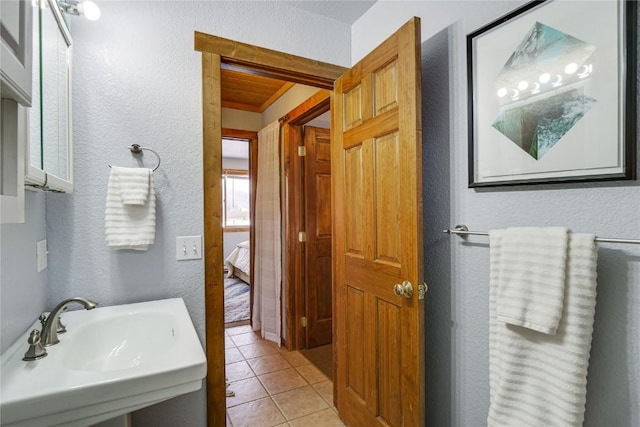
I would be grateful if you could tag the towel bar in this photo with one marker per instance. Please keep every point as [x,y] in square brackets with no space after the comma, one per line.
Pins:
[137,149]
[463,231]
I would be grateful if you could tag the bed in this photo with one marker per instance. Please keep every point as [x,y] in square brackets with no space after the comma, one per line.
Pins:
[238,263]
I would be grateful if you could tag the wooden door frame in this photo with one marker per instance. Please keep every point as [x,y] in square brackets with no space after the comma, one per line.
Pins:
[294,279]
[215,52]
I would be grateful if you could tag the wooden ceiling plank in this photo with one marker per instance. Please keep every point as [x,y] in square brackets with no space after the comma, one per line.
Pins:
[239,95]
[240,106]
[260,82]
[249,89]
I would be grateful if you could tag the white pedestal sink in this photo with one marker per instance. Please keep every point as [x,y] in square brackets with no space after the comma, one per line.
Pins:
[113,360]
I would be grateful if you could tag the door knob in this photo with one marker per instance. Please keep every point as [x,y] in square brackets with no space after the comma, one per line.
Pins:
[405,289]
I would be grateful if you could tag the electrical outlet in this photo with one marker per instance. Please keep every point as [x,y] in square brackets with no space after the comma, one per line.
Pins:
[188,247]
[41,255]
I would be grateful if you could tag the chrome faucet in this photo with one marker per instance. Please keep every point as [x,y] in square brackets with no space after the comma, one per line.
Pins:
[51,325]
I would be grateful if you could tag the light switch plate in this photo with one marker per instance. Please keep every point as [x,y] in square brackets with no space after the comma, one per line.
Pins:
[41,255]
[188,247]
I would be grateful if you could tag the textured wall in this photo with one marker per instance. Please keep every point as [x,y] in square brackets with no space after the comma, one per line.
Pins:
[22,289]
[457,303]
[243,120]
[287,102]
[137,79]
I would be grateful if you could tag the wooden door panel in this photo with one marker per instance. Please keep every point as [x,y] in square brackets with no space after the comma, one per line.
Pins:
[388,327]
[386,88]
[375,386]
[323,149]
[323,207]
[353,107]
[324,312]
[387,202]
[320,307]
[317,177]
[377,234]
[355,200]
[354,340]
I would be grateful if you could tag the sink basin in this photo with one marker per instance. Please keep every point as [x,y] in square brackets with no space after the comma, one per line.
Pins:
[121,342]
[113,360]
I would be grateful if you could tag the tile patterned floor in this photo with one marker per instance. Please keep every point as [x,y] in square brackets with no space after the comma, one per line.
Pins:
[274,387]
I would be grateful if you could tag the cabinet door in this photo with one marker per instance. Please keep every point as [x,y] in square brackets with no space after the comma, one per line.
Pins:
[16,20]
[49,149]
[13,133]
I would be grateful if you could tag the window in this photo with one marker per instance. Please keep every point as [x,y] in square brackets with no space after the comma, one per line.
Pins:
[235,200]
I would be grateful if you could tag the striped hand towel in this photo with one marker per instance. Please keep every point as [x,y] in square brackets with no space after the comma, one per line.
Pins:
[532,277]
[129,226]
[133,184]
[539,379]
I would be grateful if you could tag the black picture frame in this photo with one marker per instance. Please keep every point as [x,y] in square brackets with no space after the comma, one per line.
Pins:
[572,127]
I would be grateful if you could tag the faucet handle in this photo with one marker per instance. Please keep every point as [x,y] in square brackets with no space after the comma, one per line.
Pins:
[36,350]
[60,326]
[61,329]
[42,319]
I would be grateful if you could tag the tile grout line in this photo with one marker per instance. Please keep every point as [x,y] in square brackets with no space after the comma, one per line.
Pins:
[269,394]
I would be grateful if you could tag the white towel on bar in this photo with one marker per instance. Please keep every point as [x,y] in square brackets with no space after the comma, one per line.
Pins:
[538,379]
[133,184]
[532,277]
[129,226]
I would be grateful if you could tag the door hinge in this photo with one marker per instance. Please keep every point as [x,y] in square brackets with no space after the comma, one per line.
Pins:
[422,290]
[302,236]
[303,322]
[302,151]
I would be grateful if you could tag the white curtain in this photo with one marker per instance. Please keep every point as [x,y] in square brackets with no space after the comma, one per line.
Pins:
[267,312]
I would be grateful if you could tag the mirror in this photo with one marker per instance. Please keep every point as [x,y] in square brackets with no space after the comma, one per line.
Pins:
[50,118]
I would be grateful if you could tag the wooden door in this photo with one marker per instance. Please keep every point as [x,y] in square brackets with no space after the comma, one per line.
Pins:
[376,173]
[317,183]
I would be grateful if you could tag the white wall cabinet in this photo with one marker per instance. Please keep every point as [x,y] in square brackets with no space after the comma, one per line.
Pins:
[16,21]
[16,59]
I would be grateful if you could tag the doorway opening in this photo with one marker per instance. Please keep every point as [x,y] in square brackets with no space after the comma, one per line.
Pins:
[236,223]
[255,368]
[317,283]
[218,53]
[307,217]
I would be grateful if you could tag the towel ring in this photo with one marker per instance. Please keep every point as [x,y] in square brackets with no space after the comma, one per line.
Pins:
[137,149]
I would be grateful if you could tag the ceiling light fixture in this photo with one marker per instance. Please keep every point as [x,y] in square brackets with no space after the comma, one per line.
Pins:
[89,9]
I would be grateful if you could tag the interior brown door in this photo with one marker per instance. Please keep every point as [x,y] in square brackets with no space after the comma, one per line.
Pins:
[317,182]
[377,216]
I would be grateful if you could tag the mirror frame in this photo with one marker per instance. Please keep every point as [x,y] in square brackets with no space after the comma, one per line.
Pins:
[34,175]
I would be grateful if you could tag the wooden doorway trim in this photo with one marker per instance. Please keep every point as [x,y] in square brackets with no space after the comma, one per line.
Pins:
[217,51]
[269,63]
[294,254]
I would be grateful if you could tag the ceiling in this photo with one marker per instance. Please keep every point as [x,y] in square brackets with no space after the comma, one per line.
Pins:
[250,92]
[243,90]
[347,11]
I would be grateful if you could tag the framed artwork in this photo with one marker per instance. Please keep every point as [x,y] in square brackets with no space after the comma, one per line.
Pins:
[552,94]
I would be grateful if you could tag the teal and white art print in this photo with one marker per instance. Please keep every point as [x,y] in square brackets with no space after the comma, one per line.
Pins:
[551,98]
